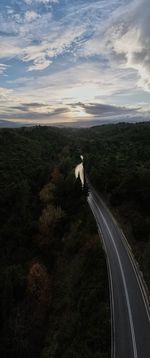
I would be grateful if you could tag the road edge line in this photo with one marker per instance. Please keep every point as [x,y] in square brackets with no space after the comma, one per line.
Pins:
[126,291]
[111,295]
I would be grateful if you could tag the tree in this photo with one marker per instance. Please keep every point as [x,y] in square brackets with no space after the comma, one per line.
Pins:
[47,193]
[49,218]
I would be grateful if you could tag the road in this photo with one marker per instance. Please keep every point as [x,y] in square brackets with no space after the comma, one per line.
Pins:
[129,303]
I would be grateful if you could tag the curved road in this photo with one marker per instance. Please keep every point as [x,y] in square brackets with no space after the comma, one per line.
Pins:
[129,303]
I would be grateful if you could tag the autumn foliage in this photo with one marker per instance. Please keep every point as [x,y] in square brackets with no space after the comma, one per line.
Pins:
[38,284]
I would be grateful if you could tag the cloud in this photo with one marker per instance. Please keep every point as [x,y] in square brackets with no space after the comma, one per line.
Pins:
[38,38]
[31,111]
[86,113]
[124,40]
[131,38]
[84,82]
[42,38]
[30,2]
[33,105]
[12,124]
[46,105]
[5,93]
[40,64]
[3,68]
[31,16]
[95,53]
[102,110]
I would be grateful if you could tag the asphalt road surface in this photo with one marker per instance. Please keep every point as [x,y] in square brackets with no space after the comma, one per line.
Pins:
[129,302]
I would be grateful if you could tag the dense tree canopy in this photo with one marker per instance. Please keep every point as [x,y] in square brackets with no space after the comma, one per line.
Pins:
[117,159]
[54,299]
[53,269]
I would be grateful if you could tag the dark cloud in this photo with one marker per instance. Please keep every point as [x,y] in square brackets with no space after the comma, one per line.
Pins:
[10,124]
[36,104]
[26,107]
[102,110]
[26,113]
[7,34]
[95,114]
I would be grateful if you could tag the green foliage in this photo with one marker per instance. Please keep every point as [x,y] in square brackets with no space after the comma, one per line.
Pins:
[49,218]
[54,299]
[117,160]
[82,284]
[53,273]
[47,193]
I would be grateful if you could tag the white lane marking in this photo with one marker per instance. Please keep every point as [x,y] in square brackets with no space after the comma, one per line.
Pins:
[125,286]
[111,292]
[132,259]
[137,274]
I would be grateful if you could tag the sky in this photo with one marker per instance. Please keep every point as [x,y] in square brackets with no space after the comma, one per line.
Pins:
[74,61]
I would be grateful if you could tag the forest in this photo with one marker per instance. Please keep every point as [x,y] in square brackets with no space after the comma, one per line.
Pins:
[54,294]
[54,299]
[117,160]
